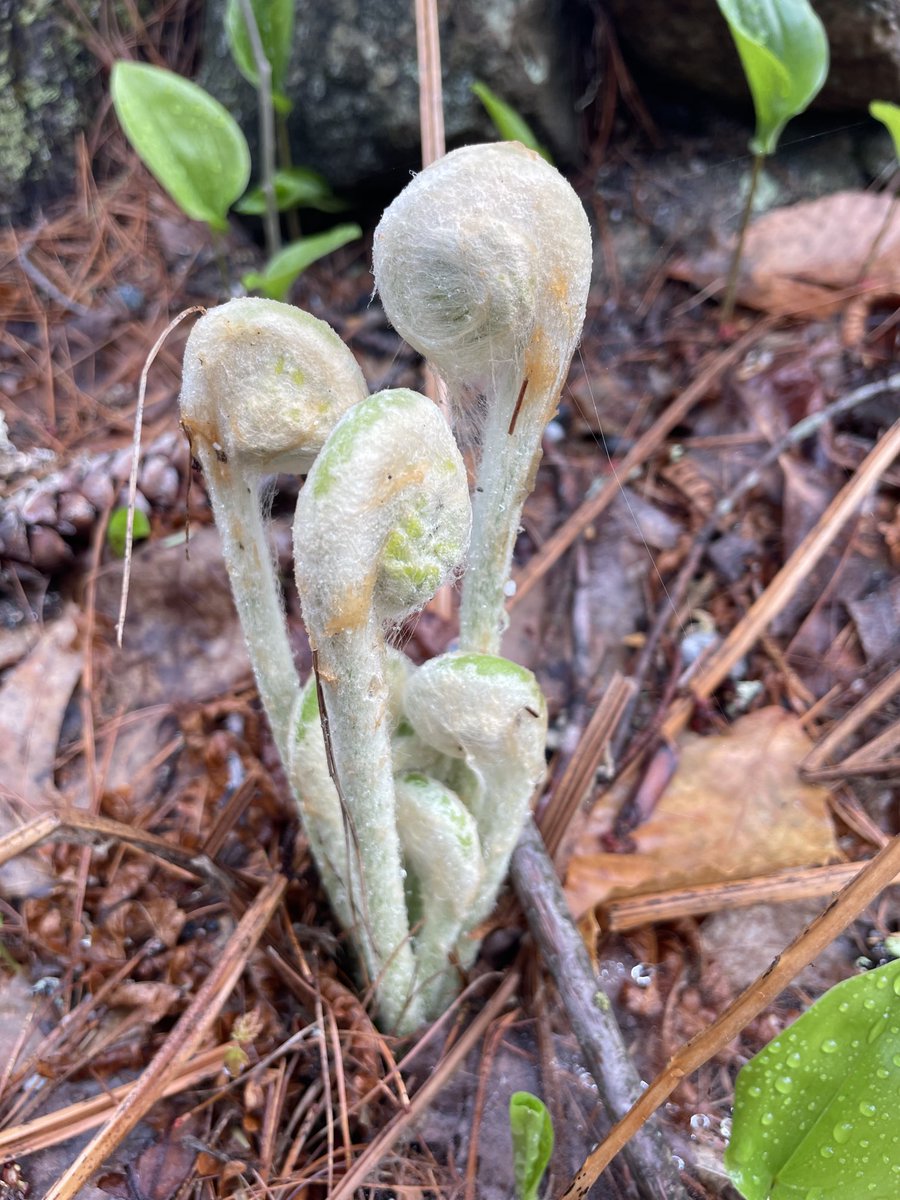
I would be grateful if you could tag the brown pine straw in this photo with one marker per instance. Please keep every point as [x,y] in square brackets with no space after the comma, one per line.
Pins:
[647,444]
[184,1039]
[857,894]
[845,908]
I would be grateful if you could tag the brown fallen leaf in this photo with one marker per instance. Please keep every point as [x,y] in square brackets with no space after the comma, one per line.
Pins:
[736,806]
[33,701]
[808,257]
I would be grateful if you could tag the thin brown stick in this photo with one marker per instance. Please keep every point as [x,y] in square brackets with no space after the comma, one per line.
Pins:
[589,1010]
[59,1126]
[377,1149]
[431,105]
[844,909]
[673,904]
[646,445]
[186,1036]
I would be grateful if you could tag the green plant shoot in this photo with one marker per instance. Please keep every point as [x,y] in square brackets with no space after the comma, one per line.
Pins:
[510,124]
[815,1114]
[889,115]
[532,1138]
[275,22]
[295,187]
[784,53]
[187,140]
[280,271]
[116,530]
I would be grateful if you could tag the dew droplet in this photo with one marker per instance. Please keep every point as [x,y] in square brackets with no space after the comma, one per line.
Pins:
[756,1091]
[843,1006]
[826,1151]
[768,1118]
[794,1059]
[829,1046]
[881,982]
[867,1108]
[784,1084]
[897,984]
[841,1132]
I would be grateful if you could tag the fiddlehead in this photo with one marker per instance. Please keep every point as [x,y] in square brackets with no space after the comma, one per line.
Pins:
[483,264]
[489,713]
[263,385]
[383,520]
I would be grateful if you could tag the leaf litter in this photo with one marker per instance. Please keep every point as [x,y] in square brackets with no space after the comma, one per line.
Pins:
[172,742]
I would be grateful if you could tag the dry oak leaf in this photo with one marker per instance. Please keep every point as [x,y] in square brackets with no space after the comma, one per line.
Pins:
[808,257]
[735,806]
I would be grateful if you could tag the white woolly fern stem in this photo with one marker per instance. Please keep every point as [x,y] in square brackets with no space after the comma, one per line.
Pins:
[350,667]
[235,500]
[511,449]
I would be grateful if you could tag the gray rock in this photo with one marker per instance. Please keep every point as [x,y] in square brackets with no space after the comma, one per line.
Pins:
[353,80]
[687,41]
[48,93]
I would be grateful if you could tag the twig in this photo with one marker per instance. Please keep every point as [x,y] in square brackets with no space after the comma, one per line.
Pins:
[135,456]
[846,907]
[588,1009]
[431,107]
[802,883]
[183,1040]
[848,725]
[59,1126]
[266,128]
[646,445]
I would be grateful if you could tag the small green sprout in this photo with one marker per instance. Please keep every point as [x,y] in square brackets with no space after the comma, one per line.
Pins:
[532,1136]
[784,52]
[815,1114]
[116,530]
[275,22]
[275,280]
[295,187]
[511,125]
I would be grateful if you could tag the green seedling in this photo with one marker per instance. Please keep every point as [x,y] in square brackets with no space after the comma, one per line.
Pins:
[784,52]
[275,23]
[413,782]
[116,530]
[815,1114]
[295,187]
[532,1137]
[188,141]
[280,271]
[510,124]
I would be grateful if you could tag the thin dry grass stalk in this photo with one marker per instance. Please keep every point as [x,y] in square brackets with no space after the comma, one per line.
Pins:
[184,1039]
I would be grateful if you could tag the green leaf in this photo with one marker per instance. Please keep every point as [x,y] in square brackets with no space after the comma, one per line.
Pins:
[284,267]
[275,22]
[511,126]
[784,52]
[889,115]
[815,1112]
[297,187]
[117,529]
[532,1138]
[192,145]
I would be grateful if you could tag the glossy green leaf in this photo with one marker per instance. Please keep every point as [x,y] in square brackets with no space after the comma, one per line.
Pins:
[784,52]
[816,1112]
[511,126]
[117,529]
[284,267]
[889,115]
[532,1138]
[297,187]
[275,22]
[187,139]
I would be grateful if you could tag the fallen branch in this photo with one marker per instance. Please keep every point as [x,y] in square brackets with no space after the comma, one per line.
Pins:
[589,1010]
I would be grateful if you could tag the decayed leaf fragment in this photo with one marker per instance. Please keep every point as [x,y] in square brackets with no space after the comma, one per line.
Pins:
[735,806]
[808,258]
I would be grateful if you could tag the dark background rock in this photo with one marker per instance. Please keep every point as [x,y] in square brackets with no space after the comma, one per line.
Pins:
[687,42]
[48,94]
[353,80]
